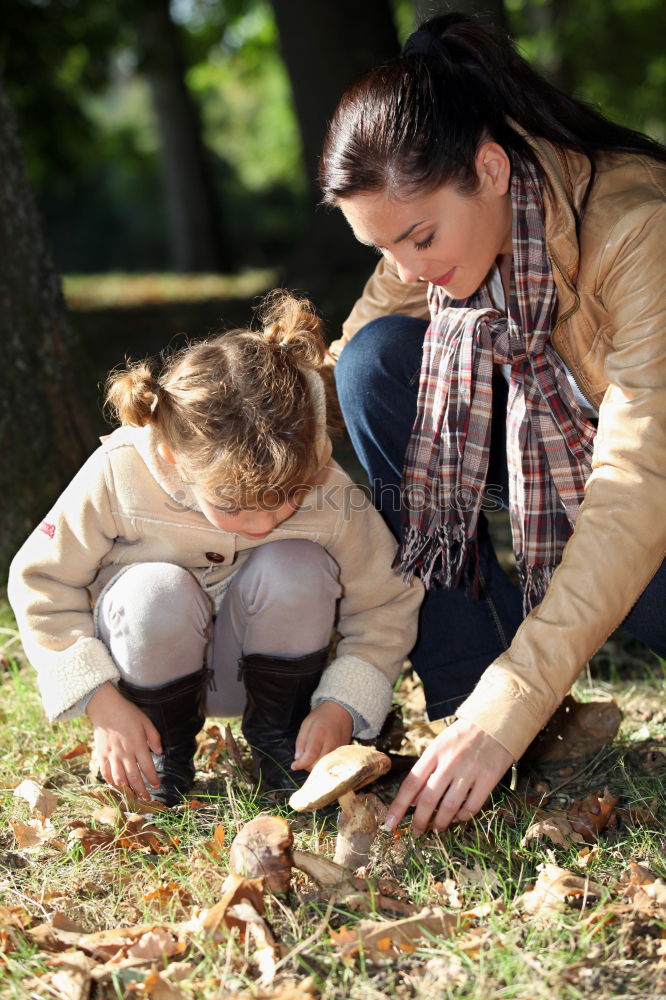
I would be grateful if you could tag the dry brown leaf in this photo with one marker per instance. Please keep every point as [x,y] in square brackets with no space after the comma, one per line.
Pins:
[40,799]
[91,840]
[77,751]
[557,829]
[264,954]
[592,814]
[216,845]
[639,815]
[449,893]
[157,986]
[159,942]
[385,939]
[32,835]
[235,889]
[142,942]
[58,934]
[71,978]
[577,729]
[587,855]
[108,816]
[555,887]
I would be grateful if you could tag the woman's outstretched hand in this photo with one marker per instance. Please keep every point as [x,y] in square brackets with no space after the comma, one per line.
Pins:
[452,779]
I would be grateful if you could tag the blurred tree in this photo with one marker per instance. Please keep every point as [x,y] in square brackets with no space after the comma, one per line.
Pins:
[45,430]
[326,45]
[192,208]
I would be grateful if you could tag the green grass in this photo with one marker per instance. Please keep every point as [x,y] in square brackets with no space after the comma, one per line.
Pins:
[501,954]
[120,290]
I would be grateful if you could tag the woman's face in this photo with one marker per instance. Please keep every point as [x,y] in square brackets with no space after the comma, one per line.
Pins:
[445,237]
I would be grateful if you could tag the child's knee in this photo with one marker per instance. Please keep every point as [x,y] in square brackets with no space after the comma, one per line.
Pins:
[291,573]
[156,600]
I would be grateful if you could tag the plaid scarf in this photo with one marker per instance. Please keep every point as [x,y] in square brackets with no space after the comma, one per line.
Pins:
[549,442]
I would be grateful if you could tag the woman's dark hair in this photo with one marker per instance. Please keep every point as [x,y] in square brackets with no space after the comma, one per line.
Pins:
[416,122]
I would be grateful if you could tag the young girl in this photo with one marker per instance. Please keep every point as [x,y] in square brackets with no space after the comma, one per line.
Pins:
[200,558]
[531,230]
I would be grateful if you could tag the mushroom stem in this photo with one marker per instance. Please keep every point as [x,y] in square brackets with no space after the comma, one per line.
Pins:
[358,821]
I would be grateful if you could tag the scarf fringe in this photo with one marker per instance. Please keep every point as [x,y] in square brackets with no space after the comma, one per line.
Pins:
[534,581]
[444,557]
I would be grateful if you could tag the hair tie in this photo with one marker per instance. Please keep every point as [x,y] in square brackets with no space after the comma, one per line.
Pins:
[423,43]
[284,345]
[157,388]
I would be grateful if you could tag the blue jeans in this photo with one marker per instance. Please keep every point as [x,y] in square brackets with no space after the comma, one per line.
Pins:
[377,379]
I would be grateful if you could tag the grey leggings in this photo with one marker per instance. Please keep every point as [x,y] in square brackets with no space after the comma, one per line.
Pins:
[158,623]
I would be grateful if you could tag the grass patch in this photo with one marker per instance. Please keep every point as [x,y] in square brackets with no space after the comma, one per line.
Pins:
[118,290]
[478,872]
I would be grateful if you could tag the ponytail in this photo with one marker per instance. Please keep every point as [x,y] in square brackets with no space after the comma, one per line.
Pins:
[292,325]
[416,123]
[131,394]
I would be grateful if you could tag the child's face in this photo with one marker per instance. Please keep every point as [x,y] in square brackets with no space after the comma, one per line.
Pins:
[256,522]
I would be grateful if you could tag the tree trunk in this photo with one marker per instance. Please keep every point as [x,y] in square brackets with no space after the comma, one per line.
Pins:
[325,45]
[196,240]
[45,427]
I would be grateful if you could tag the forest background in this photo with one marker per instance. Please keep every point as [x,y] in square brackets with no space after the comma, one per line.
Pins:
[170,149]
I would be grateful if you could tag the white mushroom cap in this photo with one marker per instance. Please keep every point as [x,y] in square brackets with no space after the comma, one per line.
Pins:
[338,772]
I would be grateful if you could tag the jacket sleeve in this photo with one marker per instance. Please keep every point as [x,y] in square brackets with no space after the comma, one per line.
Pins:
[384,295]
[378,614]
[619,540]
[47,590]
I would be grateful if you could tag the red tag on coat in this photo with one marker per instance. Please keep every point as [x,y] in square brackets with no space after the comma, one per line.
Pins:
[48,529]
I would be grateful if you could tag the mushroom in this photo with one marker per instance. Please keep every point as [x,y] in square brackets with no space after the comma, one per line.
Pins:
[262,848]
[338,775]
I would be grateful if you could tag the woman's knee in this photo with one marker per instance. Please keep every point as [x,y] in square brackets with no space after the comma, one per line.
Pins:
[387,347]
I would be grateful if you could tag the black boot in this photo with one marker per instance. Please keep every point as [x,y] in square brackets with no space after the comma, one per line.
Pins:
[177,710]
[278,691]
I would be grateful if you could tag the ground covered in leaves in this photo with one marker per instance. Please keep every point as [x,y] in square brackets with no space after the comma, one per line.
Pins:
[555,890]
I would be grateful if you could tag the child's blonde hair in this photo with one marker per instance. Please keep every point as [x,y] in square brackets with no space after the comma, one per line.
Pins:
[242,412]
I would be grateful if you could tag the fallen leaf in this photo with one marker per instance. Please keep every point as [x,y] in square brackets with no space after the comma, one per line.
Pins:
[557,829]
[592,814]
[554,888]
[216,845]
[264,954]
[159,942]
[587,855]
[71,978]
[577,729]
[57,934]
[449,893]
[32,835]
[77,751]
[639,815]
[386,939]
[235,889]
[38,798]
[157,986]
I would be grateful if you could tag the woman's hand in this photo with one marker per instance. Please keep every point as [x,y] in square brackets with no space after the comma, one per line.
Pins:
[452,779]
[328,726]
[124,737]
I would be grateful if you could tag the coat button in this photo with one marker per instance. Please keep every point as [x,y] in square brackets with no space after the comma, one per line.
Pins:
[215,557]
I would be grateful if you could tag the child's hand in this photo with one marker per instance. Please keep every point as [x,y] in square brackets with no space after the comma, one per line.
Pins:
[326,727]
[124,737]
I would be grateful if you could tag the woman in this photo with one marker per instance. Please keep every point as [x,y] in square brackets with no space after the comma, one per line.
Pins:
[539,229]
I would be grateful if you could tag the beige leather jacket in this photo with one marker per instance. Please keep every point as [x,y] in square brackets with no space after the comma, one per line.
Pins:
[607,254]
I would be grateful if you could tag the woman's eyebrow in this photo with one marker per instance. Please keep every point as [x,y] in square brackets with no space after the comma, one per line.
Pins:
[403,236]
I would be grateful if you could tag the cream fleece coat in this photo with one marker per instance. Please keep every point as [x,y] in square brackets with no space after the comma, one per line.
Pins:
[127,505]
